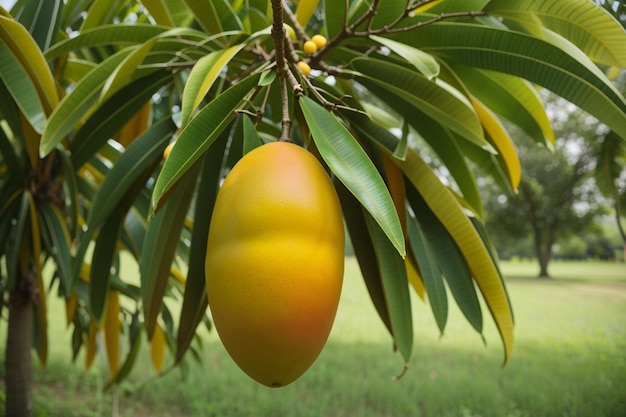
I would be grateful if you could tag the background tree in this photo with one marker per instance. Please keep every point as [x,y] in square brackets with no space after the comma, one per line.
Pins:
[557,196]
[92,96]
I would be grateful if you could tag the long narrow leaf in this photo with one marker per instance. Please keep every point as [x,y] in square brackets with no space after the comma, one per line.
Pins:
[21,88]
[430,273]
[395,288]
[350,163]
[195,300]
[160,246]
[78,103]
[201,78]
[437,102]
[449,259]
[364,251]
[197,136]
[111,116]
[57,239]
[574,78]
[582,22]
[27,51]
[104,253]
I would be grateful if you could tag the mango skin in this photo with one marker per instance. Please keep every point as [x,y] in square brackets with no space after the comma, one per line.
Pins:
[275,261]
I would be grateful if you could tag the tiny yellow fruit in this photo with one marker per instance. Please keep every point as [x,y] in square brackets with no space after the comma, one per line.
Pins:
[309,47]
[274,262]
[168,150]
[320,41]
[304,68]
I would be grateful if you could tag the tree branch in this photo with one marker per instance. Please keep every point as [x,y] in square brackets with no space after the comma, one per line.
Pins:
[278,36]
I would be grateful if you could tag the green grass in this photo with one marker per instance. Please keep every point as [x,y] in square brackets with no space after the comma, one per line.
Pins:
[569,360]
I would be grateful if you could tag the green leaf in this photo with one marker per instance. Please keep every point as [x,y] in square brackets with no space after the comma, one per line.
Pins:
[111,34]
[15,171]
[78,103]
[15,246]
[349,162]
[475,252]
[24,47]
[590,27]
[195,300]
[42,19]
[101,11]
[113,114]
[160,245]
[430,98]
[449,258]
[574,78]
[123,73]
[251,137]
[445,205]
[21,88]
[197,136]
[510,97]
[215,16]
[363,250]
[57,240]
[445,144]
[201,79]
[104,253]
[430,273]
[122,182]
[159,11]
[123,176]
[334,17]
[423,62]
[395,287]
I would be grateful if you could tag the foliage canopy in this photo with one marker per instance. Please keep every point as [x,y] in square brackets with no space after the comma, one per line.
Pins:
[92,97]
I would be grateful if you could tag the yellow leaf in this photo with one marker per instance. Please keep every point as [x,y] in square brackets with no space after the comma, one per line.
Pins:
[112,327]
[395,183]
[91,344]
[426,7]
[450,213]
[414,277]
[135,126]
[305,10]
[157,348]
[178,275]
[501,141]
[70,306]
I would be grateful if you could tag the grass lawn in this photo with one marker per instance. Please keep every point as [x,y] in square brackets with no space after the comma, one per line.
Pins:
[569,360]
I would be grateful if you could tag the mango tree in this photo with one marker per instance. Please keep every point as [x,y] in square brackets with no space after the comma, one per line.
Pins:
[93,91]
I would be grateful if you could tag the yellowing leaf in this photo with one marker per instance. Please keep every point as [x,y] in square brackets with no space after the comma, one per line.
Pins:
[414,278]
[426,7]
[395,182]
[473,248]
[91,345]
[135,126]
[70,306]
[112,328]
[305,10]
[157,348]
[501,141]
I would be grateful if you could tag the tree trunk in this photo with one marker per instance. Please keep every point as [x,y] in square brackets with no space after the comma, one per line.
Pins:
[544,259]
[19,383]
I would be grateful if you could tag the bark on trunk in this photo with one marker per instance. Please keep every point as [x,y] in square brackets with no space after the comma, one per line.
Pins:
[19,402]
[543,266]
